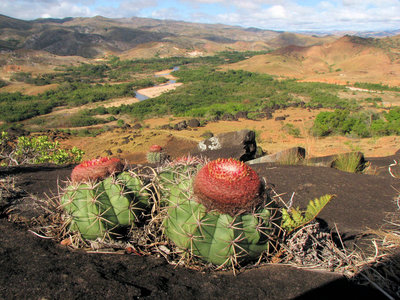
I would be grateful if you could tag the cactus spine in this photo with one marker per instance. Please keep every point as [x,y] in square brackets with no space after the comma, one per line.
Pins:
[220,234]
[156,155]
[100,209]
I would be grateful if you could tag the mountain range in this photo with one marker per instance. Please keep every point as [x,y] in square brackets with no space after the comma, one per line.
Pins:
[93,37]
[333,57]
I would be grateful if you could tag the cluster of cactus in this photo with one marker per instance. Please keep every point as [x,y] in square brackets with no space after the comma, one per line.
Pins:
[156,155]
[101,202]
[219,213]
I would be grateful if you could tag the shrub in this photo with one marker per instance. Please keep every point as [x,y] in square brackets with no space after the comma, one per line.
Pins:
[35,150]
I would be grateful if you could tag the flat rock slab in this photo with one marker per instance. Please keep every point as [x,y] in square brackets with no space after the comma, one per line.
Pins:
[34,268]
[361,201]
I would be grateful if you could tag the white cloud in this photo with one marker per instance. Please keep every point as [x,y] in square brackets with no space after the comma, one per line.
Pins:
[277,12]
[288,15]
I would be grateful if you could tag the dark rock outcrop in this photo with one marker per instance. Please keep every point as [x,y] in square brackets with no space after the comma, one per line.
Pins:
[238,144]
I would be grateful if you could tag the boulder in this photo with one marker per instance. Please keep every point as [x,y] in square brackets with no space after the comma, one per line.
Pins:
[166,127]
[193,123]
[241,115]
[180,126]
[289,156]
[238,144]
[228,117]
[137,126]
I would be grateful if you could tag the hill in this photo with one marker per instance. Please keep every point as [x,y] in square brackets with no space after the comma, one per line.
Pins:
[97,36]
[348,59]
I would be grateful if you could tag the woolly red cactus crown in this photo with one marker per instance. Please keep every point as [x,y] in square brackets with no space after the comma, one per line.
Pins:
[227,185]
[96,169]
[155,148]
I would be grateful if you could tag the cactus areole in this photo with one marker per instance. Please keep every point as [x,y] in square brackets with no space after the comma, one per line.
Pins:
[96,169]
[227,185]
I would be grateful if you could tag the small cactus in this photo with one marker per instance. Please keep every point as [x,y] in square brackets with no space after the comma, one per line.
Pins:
[209,218]
[96,169]
[156,155]
[101,209]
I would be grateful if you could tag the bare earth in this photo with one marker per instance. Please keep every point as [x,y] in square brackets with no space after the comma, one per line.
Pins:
[271,136]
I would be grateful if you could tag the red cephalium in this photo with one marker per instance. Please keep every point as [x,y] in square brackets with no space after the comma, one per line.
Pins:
[96,169]
[227,185]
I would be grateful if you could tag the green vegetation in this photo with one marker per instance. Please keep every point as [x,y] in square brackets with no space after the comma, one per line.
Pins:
[361,124]
[294,218]
[376,87]
[35,150]
[206,93]
[292,130]
[3,83]
[17,107]
[209,93]
[348,162]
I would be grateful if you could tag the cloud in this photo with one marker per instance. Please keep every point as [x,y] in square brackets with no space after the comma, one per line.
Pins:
[289,15]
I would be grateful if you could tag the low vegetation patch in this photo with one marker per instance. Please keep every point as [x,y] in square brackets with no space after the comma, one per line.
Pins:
[362,124]
[35,150]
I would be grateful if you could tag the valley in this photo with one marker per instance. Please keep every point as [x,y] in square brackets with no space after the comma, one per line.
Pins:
[297,77]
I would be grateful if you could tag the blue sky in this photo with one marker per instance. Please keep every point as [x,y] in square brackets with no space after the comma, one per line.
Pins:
[287,15]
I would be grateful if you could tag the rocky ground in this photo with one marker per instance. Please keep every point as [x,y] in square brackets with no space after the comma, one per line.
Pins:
[37,268]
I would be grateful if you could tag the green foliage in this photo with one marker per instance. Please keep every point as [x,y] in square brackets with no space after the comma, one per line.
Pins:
[34,150]
[3,83]
[376,87]
[82,119]
[120,123]
[17,107]
[363,124]
[210,93]
[295,218]
[348,162]
[26,77]
[292,130]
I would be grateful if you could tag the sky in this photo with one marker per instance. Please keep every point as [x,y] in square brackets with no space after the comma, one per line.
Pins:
[285,15]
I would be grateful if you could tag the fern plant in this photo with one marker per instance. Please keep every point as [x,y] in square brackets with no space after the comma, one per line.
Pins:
[294,218]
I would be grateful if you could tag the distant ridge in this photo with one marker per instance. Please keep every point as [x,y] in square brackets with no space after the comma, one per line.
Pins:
[97,36]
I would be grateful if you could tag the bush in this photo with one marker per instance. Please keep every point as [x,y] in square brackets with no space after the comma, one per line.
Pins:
[292,130]
[363,124]
[35,150]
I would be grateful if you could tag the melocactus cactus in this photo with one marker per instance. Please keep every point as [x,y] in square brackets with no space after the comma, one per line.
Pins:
[101,209]
[156,155]
[220,214]
[227,185]
[96,169]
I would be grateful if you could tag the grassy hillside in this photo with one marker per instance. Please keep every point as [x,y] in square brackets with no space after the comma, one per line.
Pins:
[349,59]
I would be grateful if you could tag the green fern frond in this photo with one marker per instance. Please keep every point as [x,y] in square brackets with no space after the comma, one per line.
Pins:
[295,218]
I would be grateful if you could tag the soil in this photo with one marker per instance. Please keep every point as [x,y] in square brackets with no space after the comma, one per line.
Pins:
[37,268]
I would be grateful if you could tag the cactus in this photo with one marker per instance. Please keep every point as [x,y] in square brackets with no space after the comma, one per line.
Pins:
[227,185]
[101,209]
[96,169]
[218,215]
[156,155]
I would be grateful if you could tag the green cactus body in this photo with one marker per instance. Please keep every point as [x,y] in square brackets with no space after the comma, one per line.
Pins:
[156,157]
[216,237]
[101,209]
